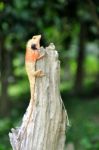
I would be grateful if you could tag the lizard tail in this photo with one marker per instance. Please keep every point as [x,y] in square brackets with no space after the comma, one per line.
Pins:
[32,80]
[29,118]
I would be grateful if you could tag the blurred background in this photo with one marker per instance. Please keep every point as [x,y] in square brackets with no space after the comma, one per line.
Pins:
[73,26]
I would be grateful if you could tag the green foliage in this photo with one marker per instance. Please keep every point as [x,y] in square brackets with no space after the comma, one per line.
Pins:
[1,6]
[5,125]
[18,89]
[84,124]
[91,65]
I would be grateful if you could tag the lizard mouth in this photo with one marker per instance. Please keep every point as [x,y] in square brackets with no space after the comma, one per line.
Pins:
[33,47]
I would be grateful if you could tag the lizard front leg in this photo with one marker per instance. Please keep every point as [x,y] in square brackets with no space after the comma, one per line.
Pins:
[41,56]
[38,73]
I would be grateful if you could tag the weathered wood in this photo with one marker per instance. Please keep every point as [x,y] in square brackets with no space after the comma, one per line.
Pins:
[47,125]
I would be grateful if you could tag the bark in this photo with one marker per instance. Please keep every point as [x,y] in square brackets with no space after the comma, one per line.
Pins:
[47,125]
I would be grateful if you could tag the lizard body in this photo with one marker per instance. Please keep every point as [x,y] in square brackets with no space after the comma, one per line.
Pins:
[32,55]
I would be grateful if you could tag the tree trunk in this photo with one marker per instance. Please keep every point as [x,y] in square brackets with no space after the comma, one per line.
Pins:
[4,101]
[47,125]
[80,59]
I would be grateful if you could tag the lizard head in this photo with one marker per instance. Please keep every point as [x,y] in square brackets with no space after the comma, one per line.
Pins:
[34,43]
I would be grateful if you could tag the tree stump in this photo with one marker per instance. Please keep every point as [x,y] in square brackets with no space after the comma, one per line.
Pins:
[47,126]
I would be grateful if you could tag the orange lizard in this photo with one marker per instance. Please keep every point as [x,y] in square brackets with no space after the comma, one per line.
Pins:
[32,55]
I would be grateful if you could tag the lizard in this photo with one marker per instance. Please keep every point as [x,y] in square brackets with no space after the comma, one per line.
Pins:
[31,57]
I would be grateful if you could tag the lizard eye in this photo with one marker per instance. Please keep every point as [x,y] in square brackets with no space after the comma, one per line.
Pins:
[33,46]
